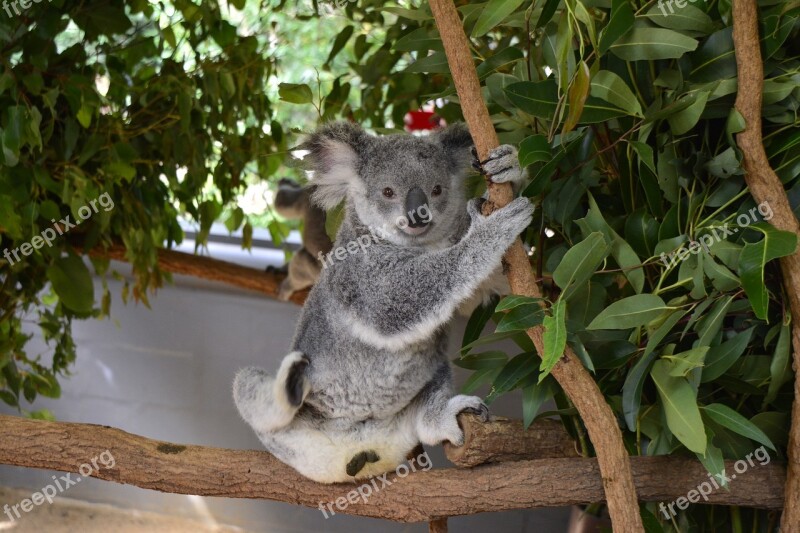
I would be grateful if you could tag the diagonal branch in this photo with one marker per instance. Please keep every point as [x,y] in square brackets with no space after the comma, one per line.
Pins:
[570,373]
[209,269]
[765,186]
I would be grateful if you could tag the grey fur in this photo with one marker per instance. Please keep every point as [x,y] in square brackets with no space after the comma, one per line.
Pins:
[293,201]
[374,326]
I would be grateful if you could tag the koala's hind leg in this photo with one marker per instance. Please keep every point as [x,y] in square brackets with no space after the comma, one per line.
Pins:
[268,403]
[437,410]
[304,270]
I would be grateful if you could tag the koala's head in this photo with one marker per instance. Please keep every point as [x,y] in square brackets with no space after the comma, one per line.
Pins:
[409,187]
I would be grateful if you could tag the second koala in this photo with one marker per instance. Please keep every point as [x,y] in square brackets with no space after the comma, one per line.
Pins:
[368,377]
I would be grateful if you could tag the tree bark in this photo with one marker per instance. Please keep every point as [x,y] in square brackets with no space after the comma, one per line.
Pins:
[601,424]
[210,269]
[418,497]
[438,526]
[765,186]
[503,440]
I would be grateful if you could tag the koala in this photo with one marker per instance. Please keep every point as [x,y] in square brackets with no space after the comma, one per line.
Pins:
[293,202]
[368,377]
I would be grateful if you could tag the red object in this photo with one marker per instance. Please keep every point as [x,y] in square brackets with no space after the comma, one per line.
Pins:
[421,120]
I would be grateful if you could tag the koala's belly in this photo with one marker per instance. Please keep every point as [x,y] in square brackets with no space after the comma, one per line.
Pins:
[321,450]
[370,384]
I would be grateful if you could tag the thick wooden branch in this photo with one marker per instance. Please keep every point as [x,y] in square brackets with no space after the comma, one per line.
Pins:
[765,186]
[419,497]
[583,392]
[503,440]
[210,269]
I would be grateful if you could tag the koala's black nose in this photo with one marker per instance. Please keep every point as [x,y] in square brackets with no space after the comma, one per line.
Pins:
[417,210]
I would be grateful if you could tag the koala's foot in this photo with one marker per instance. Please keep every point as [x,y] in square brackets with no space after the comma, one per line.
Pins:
[285,290]
[268,403]
[444,427]
[359,460]
[292,375]
[502,165]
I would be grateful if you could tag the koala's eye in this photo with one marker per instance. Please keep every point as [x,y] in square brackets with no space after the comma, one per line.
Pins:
[388,192]
[437,190]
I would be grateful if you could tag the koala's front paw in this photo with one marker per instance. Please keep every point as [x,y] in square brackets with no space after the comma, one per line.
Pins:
[474,209]
[513,218]
[457,405]
[502,165]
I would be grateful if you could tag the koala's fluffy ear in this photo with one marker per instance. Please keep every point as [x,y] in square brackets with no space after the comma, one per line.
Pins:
[457,142]
[334,149]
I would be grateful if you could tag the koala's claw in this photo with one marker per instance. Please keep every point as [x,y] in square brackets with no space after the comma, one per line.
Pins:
[359,460]
[482,412]
[474,208]
[295,382]
[502,165]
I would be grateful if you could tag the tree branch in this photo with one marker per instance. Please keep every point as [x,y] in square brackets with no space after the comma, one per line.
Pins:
[210,269]
[579,386]
[503,440]
[765,186]
[419,497]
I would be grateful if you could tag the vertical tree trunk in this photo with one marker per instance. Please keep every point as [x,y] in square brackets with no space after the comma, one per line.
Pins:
[765,186]
[579,386]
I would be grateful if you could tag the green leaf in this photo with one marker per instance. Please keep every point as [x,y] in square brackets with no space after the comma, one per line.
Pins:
[512,300]
[713,460]
[609,87]
[521,318]
[72,282]
[488,339]
[577,94]
[630,312]
[540,99]
[686,119]
[10,221]
[435,63]
[493,14]
[295,93]
[622,252]
[504,57]
[580,262]
[419,40]
[652,44]
[727,417]
[780,368]
[339,43]
[477,322]
[554,337]
[634,381]
[518,368]
[709,326]
[478,378]
[549,9]
[684,362]
[534,149]
[491,359]
[680,407]
[533,397]
[755,256]
[721,357]
[688,18]
[620,23]
[715,59]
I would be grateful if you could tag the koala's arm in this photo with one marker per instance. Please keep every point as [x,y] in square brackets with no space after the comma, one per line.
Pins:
[400,298]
